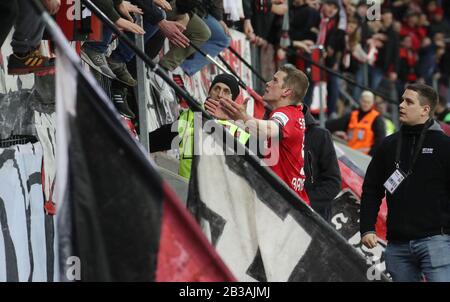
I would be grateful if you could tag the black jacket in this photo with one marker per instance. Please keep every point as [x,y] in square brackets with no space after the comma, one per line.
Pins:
[261,16]
[323,178]
[388,59]
[420,206]
[301,20]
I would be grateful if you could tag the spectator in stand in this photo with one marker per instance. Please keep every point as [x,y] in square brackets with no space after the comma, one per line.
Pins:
[154,20]
[26,40]
[93,53]
[212,14]
[399,8]
[196,30]
[363,129]
[387,61]
[446,7]
[304,23]
[361,16]
[438,23]
[262,27]
[408,58]
[304,20]
[355,54]
[333,40]
[259,17]
[429,56]
[8,14]
[412,28]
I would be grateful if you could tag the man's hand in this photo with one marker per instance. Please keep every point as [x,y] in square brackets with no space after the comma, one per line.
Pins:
[261,42]
[248,30]
[279,9]
[341,134]
[52,6]
[370,240]
[225,28]
[234,111]
[213,107]
[126,25]
[125,8]
[163,4]
[174,32]
[302,45]
[393,76]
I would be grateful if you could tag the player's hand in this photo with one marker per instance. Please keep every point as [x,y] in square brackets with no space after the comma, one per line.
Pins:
[235,111]
[213,107]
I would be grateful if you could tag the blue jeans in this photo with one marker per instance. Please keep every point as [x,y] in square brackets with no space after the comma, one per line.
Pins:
[359,78]
[101,46]
[376,76]
[123,53]
[216,43]
[428,257]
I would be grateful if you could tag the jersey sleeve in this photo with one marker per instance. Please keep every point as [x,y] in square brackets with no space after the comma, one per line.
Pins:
[285,121]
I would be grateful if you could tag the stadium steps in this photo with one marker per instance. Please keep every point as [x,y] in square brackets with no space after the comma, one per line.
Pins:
[168,167]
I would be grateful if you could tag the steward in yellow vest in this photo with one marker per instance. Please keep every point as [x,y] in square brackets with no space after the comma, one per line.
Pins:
[186,133]
[223,85]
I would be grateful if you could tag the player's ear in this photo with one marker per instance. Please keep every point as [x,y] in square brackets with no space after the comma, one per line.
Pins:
[287,92]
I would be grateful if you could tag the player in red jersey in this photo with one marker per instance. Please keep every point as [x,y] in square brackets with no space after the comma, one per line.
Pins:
[285,128]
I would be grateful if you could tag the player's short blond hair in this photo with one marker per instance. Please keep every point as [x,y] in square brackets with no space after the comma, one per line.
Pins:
[296,80]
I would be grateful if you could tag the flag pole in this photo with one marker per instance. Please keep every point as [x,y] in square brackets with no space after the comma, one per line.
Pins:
[247,64]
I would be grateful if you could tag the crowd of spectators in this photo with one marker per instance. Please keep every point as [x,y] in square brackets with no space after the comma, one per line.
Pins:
[381,45]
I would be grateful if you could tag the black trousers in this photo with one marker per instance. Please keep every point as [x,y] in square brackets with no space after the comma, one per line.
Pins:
[8,14]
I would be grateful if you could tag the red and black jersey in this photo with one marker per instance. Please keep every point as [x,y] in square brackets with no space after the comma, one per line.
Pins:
[286,158]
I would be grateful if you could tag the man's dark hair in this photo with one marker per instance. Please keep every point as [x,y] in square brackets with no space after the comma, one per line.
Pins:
[443,101]
[427,95]
[386,10]
[332,2]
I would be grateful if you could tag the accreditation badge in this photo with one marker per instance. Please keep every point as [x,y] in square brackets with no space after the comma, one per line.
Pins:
[360,135]
[394,180]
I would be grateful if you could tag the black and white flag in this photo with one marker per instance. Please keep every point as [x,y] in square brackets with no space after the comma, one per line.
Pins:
[261,231]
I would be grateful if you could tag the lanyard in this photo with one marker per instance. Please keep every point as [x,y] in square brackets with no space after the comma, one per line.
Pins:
[416,151]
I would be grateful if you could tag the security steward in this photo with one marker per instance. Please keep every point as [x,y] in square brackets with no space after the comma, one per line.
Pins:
[363,129]
[412,169]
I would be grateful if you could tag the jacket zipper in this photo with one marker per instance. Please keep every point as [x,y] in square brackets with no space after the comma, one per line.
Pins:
[310,166]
